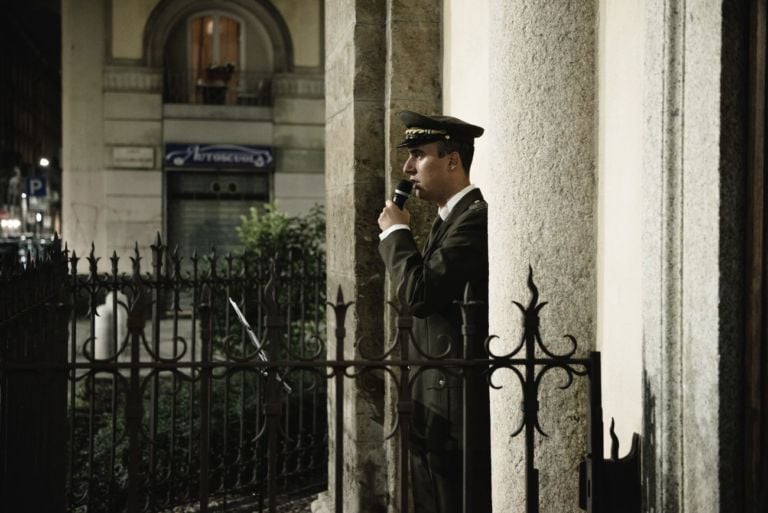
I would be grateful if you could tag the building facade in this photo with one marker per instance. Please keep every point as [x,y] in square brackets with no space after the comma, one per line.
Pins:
[30,124]
[181,115]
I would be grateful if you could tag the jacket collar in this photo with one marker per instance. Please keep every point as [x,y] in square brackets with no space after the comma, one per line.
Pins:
[445,210]
[463,204]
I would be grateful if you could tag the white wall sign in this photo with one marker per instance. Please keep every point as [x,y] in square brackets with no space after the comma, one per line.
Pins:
[133,157]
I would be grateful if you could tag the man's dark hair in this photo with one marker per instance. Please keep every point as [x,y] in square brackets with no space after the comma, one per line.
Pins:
[465,151]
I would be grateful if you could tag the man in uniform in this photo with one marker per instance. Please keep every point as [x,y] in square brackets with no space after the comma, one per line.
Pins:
[440,154]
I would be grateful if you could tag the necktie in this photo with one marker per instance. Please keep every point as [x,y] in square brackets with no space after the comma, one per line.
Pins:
[435,227]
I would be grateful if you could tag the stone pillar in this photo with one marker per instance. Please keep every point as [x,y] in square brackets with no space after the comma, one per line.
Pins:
[694,168]
[413,82]
[354,180]
[372,73]
[83,54]
[542,212]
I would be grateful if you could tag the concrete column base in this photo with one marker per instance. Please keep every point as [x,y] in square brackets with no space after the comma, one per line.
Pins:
[323,504]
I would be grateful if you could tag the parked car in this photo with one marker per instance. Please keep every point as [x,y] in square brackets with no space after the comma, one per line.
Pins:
[22,250]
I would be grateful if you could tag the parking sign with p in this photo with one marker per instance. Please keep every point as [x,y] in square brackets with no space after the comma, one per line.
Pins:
[35,187]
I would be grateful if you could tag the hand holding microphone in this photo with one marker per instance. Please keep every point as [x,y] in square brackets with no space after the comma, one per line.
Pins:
[394,212]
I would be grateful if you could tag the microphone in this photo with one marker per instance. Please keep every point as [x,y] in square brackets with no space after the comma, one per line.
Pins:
[402,193]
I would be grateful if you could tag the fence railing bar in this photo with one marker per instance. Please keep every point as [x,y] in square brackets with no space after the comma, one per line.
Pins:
[531,405]
[275,322]
[113,345]
[90,380]
[193,359]
[173,267]
[134,410]
[206,316]
[72,281]
[595,446]
[474,415]
[157,269]
[405,401]
[492,363]
[340,313]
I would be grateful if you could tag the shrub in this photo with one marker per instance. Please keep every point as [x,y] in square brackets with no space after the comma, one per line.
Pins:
[275,234]
[296,245]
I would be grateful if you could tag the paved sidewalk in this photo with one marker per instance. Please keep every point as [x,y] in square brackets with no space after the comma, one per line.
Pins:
[297,506]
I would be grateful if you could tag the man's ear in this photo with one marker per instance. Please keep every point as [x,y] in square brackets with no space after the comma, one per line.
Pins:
[453,159]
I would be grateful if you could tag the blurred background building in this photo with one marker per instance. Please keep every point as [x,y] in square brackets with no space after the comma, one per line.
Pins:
[178,116]
[30,124]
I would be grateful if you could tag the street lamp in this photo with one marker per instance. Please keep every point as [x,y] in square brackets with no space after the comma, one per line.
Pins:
[44,162]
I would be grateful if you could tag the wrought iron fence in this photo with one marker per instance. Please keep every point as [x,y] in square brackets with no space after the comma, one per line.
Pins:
[33,382]
[163,405]
[235,88]
[204,418]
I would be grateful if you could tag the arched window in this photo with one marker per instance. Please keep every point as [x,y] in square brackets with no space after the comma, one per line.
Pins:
[214,56]
[215,40]
[215,51]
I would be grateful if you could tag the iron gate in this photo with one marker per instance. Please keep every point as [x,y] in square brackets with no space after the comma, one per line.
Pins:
[194,414]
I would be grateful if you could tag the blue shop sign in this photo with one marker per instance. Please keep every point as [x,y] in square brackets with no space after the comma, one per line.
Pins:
[218,156]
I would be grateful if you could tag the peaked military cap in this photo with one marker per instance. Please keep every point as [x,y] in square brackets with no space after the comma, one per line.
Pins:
[421,129]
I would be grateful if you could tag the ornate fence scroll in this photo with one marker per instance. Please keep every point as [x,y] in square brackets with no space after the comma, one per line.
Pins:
[605,485]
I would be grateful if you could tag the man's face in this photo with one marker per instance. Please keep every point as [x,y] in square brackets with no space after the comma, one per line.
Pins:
[429,172]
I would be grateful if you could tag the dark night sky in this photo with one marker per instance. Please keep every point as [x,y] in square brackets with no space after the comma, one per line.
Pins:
[40,22]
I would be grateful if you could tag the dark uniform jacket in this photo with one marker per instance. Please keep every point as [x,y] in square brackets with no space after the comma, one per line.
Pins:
[434,280]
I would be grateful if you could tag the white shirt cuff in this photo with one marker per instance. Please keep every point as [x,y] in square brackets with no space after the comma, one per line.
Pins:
[383,235]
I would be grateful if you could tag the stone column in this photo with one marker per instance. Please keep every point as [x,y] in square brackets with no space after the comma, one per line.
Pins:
[694,168]
[83,53]
[354,180]
[413,82]
[542,213]
[381,58]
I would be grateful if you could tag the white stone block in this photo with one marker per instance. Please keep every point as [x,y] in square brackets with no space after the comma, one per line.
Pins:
[300,111]
[300,136]
[133,183]
[107,314]
[209,131]
[133,132]
[299,160]
[145,106]
[300,185]
[128,208]
[216,112]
